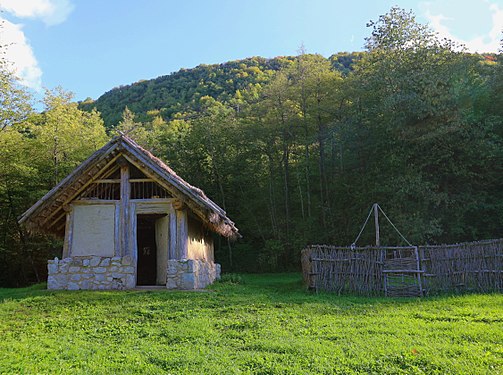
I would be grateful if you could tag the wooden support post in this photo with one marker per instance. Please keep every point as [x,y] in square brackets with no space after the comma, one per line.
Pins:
[419,271]
[124,209]
[172,233]
[67,246]
[182,234]
[376,221]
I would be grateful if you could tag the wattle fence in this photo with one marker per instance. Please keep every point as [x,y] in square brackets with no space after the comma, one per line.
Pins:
[405,271]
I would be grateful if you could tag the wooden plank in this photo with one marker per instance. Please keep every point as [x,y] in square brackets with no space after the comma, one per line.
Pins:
[84,202]
[376,223]
[142,180]
[152,207]
[124,209]
[182,234]
[419,281]
[403,271]
[117,180]
[67,249]
[107,181]
[132,232]
[68,234]
[172,233]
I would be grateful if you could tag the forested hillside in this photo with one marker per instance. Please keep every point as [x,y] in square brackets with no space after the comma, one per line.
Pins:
[295,149]
[181,91]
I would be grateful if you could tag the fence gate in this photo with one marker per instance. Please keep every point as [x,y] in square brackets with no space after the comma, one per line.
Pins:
[402,272]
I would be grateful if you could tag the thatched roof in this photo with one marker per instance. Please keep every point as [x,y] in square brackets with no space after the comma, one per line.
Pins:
[48,214]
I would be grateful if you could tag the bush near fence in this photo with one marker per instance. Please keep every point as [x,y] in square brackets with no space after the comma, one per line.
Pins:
[474,266]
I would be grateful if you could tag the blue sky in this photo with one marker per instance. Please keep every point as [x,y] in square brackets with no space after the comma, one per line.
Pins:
[91,46]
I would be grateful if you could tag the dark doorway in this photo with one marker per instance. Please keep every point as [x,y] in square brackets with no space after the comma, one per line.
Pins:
[147,250]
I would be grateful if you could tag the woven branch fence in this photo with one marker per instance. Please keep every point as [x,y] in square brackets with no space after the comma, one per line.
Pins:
[405,271]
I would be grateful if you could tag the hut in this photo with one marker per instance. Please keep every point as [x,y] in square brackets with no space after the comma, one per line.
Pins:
[129,220]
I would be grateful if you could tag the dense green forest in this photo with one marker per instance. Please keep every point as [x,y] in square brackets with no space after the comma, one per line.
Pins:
[181,92]
[295,149]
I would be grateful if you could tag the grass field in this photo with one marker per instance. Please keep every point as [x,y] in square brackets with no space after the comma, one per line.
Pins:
[266,324]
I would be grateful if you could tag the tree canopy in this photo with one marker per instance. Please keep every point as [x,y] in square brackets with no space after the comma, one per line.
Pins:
[296,149]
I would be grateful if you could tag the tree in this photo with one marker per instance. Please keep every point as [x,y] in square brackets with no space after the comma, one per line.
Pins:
[64,135]
[419,141]
[36,154]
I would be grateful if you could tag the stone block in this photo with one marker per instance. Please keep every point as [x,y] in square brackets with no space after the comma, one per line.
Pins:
[61,278]
[172,267]
[75,277]
[99,270]
[52,283]
[84,284]
[76,262]
[128,269]
[127,261]
[73,286]
[117,284]
[171,283]
[99,277]
[52,268]
[95,261]
[85,262]
[105,262]
[63,267]
[74,269]
[187,281]
[130,281]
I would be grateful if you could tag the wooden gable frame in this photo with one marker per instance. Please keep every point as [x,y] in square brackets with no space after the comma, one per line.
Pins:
[49,213]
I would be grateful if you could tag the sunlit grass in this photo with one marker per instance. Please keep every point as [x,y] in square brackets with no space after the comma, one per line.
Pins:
[265,324]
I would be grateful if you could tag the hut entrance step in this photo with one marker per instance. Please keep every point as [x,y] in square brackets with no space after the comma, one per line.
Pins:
[402,273]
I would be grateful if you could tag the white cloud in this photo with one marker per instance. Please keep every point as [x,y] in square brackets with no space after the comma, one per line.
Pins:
[51,12]
[481,43]
[19,51]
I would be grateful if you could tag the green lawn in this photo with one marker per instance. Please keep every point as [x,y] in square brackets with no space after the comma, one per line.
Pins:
[267,324]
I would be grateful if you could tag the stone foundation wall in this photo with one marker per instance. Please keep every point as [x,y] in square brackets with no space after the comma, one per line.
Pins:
[91,273]
[191,273]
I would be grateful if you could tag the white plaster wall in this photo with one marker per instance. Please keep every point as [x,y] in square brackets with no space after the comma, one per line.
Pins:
[93,230]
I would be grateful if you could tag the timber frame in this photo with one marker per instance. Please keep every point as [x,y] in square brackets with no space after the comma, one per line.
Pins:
[128,220]
[48,215]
